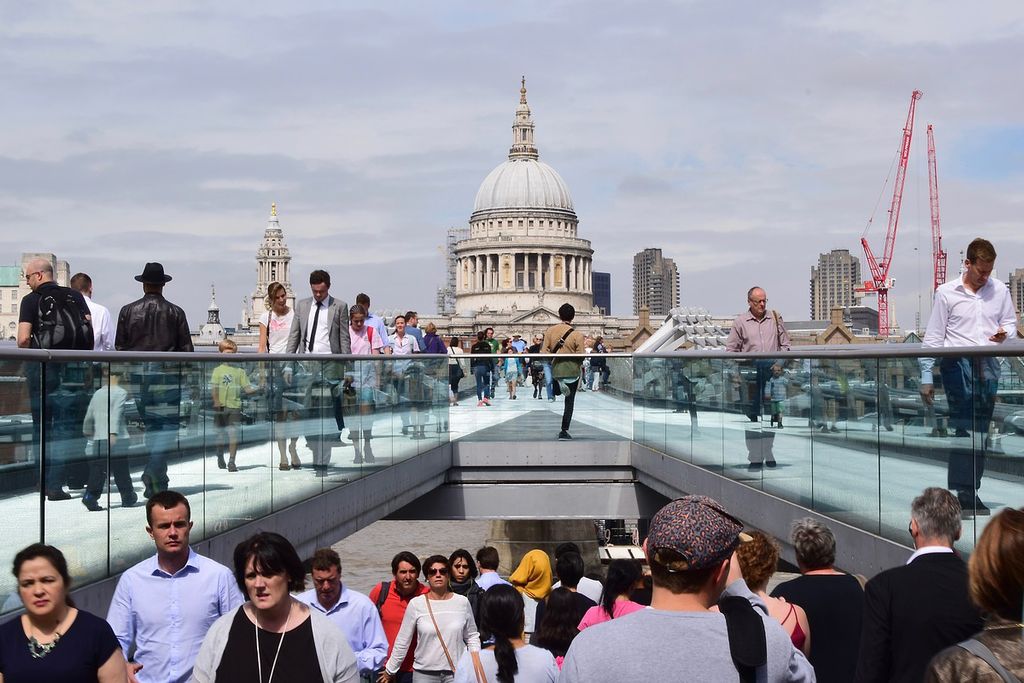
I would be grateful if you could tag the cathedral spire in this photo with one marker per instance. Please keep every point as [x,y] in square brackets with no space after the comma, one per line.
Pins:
[522,129]
[213,312]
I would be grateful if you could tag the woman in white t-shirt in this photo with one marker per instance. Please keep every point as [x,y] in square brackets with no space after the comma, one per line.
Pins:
[275,324]
[455,370]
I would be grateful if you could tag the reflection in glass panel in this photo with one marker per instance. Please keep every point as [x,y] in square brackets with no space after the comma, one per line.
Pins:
[19,467]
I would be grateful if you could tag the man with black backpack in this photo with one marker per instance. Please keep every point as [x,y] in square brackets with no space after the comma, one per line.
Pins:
[392,599]
[690,548]
[53,317]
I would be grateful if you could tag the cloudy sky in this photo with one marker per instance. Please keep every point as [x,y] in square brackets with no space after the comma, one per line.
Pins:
[743,138]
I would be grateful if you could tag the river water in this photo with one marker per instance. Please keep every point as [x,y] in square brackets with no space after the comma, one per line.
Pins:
[366,555]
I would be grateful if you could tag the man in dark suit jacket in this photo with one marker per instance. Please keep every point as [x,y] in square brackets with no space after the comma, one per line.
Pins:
[914,611]
[320,326]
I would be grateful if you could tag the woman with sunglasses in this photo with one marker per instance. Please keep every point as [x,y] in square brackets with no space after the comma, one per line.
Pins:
[443,625]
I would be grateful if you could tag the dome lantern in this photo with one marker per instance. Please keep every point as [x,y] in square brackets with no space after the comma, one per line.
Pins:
[523,146]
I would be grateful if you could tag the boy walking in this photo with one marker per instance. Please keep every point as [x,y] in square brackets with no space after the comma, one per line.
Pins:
[227,383]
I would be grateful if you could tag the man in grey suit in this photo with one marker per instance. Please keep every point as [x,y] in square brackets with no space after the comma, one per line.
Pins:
[320,326]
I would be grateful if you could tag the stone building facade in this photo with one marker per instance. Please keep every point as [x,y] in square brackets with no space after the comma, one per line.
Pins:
[273,264]
[524,256]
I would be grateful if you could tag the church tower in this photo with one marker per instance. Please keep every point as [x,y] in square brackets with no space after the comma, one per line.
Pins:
[212,332]
[273,264]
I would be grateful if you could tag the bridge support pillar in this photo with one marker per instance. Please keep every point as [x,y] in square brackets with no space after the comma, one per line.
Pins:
[514,538]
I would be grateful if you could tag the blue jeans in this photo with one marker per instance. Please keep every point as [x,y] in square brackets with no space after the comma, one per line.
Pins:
[483,385]
[548,382]
[970,385]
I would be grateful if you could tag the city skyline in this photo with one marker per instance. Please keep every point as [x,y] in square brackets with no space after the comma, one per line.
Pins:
[136,134]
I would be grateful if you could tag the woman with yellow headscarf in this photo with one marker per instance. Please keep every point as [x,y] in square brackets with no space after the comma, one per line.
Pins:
[532,578]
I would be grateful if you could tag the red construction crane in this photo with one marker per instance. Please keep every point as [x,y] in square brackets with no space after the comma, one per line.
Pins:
[938,255]
[880,282]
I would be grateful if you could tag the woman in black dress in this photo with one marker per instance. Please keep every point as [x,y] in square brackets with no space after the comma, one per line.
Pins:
[273,637]
[53,642]
[832,599]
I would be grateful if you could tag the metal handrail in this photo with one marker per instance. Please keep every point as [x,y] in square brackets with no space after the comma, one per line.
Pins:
[1014,347]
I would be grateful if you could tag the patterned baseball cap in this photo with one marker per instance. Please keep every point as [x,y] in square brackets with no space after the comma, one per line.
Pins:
[696,531]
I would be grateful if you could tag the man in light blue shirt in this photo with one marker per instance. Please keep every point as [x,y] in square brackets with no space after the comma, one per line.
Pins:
[412,321]
[351,612]
[163,606]
[487,561]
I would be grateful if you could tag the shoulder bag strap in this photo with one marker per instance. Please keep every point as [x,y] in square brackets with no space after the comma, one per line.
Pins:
[778,329]
[981,651]
[561,342]
[382,596]
[447,655]
[478,667]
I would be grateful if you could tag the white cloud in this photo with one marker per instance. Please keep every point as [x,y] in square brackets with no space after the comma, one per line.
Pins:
[742,139]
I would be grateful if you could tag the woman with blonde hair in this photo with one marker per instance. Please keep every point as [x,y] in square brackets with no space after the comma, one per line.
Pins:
[532,578]
[275,324]
[996,581]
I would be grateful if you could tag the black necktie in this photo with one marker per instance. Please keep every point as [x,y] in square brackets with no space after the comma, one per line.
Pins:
[312,332]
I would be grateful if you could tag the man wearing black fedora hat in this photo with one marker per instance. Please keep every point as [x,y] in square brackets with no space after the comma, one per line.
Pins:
[153,323]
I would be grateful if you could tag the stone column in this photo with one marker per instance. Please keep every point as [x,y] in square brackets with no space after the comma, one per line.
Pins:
[515,538]
[551,271]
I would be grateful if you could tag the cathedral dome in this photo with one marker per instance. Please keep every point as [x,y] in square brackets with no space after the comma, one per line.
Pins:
[523,184]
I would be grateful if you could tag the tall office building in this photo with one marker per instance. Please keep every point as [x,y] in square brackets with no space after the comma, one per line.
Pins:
[655,283]
[833,281]
[1016,285]
[602,283]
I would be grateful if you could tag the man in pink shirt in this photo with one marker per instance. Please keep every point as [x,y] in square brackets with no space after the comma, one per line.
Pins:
[361,383]
[758,330]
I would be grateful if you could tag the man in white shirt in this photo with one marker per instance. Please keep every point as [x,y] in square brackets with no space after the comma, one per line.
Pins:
[320,327]
[973,310]
[102,323]
[103,340]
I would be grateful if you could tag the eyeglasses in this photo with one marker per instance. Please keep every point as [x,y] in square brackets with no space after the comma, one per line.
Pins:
[437,571]
[28,276]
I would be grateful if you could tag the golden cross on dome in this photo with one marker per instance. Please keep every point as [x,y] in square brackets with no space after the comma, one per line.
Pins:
[273,209]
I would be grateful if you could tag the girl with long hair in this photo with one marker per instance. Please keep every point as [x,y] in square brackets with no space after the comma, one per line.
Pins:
[510,660]
[618,584]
